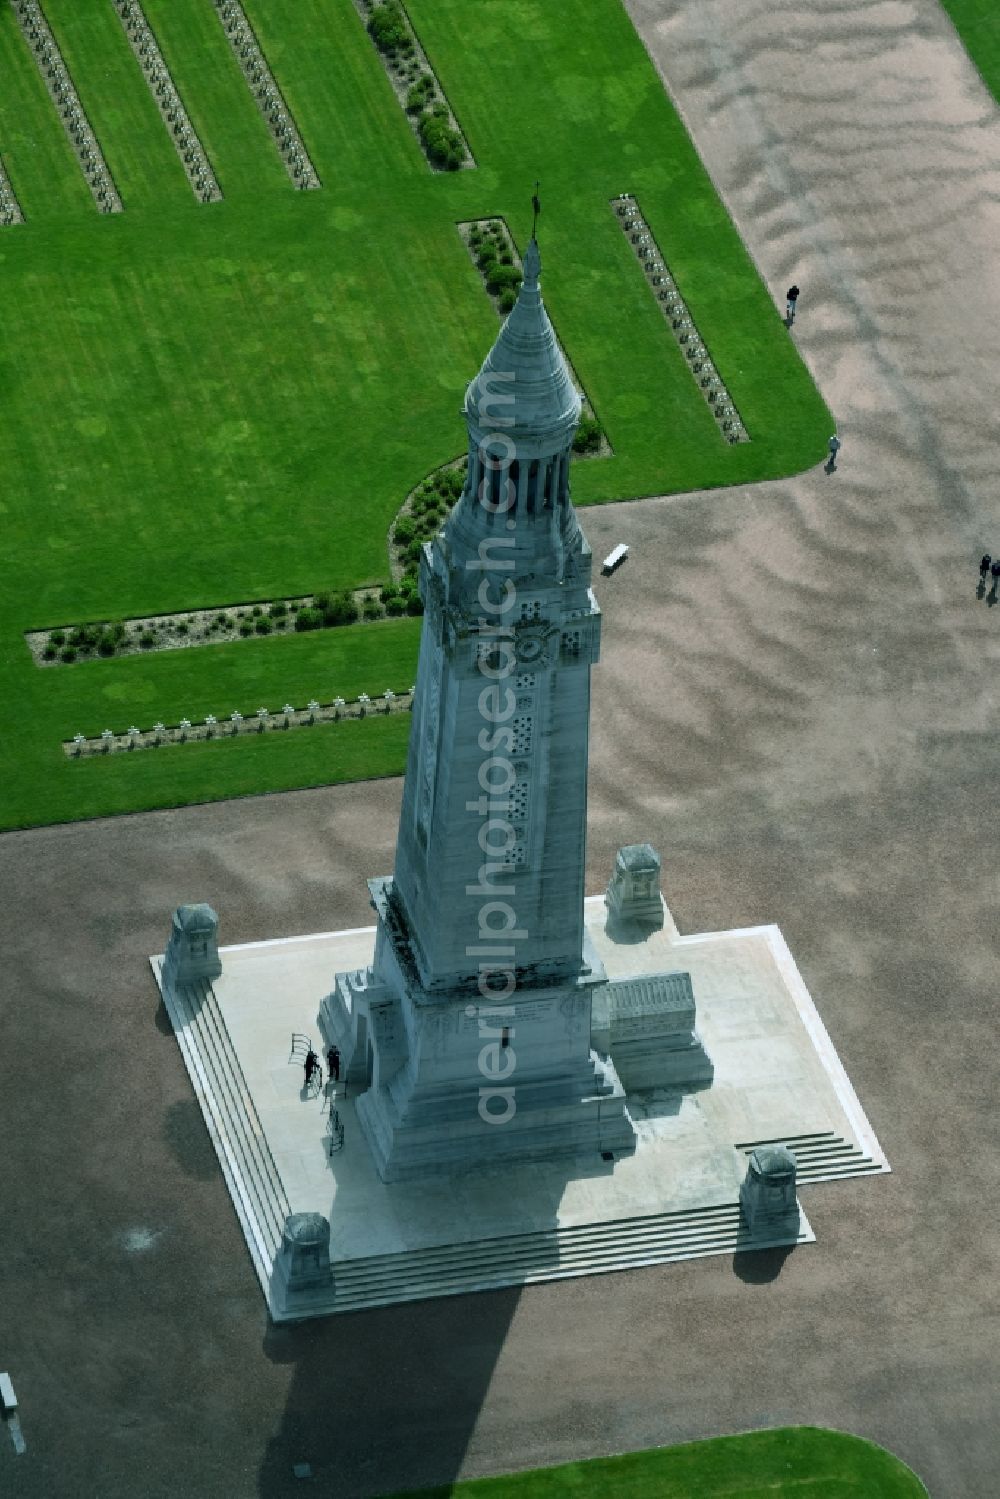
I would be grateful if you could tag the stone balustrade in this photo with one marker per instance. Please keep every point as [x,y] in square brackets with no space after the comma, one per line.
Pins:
[258,721]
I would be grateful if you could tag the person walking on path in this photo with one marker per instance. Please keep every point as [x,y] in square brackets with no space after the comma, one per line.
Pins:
[311,1065]
[834,446]
[995,575]
[984,566]
[791,298]
[333,1063]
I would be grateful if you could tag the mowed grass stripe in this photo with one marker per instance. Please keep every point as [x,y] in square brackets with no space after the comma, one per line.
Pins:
[116,100]
[39,161]
[221,108]
[330,74]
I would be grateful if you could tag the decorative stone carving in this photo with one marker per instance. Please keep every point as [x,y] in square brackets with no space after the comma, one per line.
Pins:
[302,1271]
[193,950]
[634,891]
[767,1195]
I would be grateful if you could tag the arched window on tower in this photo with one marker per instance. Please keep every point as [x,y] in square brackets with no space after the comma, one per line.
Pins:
[513,474]
[550,469]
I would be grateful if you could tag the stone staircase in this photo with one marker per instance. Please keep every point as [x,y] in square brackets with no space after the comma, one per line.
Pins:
[229,1112]
[523,1259]
[823,1156]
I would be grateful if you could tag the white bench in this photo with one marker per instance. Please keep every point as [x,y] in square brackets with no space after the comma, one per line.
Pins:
[614,559]
[7,1397]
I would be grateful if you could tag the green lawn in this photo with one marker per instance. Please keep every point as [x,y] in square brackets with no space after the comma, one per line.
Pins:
[978,24]
[216,404]
[800,1462]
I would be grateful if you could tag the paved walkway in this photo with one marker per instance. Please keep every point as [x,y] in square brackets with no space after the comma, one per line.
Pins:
[797,705]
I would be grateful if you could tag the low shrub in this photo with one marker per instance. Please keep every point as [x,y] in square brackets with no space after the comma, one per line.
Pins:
[321,601]
[147,639]
[222,620]
[308,619]
[395,605]
[588,436]
[404,531]
[507,299]
[105,646]
[68,653]
[278,609]
[372,609]
[387,27]
[419,94]
[500,276]
[57,637]
[246,628]
[414,552]
[414,604]
[388,591]
[341,610]
[442,144]
[50,653]
[256,611]
[184,629]
[263,625]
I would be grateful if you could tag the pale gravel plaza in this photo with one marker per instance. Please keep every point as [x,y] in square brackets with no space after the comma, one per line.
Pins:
[796,704]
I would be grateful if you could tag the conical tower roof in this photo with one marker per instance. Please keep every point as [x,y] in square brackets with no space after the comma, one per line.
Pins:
[526,363]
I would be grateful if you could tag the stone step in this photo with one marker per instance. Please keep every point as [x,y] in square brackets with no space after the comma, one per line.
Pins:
[250,1173]
[411,1282]
[215,1036]
[822,1157]
[679,1223]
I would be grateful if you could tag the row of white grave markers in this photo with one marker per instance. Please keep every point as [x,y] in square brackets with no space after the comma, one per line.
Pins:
[55,75]
[679,319]
[211,727]
[10,208]
[186,143]
[247,51]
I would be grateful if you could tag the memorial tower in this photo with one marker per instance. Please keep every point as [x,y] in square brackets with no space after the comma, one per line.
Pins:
[471,1032]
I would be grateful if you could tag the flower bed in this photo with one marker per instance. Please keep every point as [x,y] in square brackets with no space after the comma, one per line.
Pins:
[415,85]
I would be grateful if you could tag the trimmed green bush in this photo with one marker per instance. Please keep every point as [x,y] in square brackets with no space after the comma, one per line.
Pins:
[183,628]
[147,639]
[395,605]
[442,144]
[222,619]
[278,608]
[342,609]
[57,637]
[263,625]
[105,646]
[372,609]
[50,653]
[420,94]
[256,611]
[387,27]
[404,530]
[321,601]
[414,604]
[246,628]
[68,653]
[506,299]
[588,436]
[308,619]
